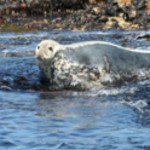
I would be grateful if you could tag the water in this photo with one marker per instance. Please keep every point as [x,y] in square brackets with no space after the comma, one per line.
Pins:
[39,121]
[32,118]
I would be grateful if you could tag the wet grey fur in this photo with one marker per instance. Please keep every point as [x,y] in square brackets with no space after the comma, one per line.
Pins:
[91,62]
[119,58]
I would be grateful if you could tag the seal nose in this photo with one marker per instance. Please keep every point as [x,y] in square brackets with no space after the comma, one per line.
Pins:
[39,57]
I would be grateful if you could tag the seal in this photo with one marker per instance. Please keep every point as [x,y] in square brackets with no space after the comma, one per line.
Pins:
[83,65]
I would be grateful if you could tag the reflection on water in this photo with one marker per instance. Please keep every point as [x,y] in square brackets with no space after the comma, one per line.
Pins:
[113,118]
[35,121]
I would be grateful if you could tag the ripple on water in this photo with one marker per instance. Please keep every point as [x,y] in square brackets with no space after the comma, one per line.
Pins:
[35,121]
[7,144]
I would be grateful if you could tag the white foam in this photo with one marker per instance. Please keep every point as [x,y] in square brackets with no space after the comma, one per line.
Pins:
[139,105]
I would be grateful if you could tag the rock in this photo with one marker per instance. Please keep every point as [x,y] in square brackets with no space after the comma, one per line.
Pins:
[92,2]
[123,3]
[26,76]
[96,10]
[5,88]
[75,14]
[41,24]
[148,7]
[120,22]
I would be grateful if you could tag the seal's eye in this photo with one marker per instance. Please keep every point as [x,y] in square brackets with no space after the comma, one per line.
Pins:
[51,49]
[38,47]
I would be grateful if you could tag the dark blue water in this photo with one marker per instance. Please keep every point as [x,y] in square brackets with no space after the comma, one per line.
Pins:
[116,118]
[36,121]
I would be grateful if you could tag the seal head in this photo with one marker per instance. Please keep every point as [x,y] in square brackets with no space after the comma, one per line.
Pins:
[46,49]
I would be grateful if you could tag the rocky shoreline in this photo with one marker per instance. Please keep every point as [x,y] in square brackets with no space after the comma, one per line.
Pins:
[75,15]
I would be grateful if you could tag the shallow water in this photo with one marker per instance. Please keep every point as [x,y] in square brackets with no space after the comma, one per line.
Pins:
[39,121]
[31,118]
